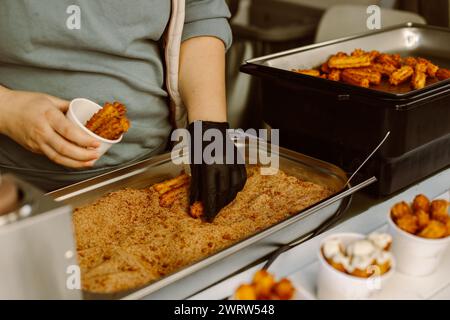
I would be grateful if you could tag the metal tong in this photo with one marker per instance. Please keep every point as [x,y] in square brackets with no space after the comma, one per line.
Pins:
[342,208]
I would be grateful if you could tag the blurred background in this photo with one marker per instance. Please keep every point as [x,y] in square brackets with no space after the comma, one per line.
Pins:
[262,27]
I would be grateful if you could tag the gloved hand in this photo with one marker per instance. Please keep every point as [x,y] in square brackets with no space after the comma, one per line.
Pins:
[214,184]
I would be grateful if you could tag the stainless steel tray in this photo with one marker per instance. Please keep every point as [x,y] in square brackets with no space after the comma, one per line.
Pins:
[408,39]
[203,273]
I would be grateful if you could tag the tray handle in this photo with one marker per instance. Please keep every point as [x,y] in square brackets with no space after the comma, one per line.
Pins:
[343,207]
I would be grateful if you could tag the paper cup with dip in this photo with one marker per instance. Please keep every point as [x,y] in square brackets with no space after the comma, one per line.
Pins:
[80,111]
[334,284]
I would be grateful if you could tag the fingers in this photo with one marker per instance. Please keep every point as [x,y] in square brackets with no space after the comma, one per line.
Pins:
[223,180]
[70,150]
[195,188]
[62,105]
[239,177]
[70,131]
[219,186]
[209,192]
[224,194]
[62,151]
[64,161]
[210,205]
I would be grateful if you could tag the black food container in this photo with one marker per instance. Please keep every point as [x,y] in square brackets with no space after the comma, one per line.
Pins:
[341,123]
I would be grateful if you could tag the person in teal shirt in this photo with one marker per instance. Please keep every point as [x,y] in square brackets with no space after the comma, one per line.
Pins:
[52,51]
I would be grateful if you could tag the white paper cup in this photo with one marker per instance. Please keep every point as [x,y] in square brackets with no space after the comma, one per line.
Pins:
[80,111]
[333,284]
[416,256]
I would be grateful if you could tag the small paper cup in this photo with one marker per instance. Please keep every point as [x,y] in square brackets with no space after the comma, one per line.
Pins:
[80,111]
[333,284]
[416,256]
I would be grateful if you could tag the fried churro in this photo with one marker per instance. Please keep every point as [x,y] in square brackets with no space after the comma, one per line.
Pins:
[367,68]
[401,75]
[373,75]
[354,79]
[171,190]
[196,210]
[110,122]
[325,68]
[334,75]
[167,199]
[418,80]
[431,68]
[392,59]
[443,74]
[374,54]
[168,185]
[410,61]
[113,129]
[309,72]
[419,77]
[358,52]
[384,68]
[344,62]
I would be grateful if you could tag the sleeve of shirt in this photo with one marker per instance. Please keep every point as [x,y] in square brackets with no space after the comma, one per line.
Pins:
[207,18]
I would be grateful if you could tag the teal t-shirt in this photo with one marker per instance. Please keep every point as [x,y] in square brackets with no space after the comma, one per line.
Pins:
[103,50]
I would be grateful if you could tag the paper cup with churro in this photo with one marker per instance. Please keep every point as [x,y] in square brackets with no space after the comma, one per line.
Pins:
[80,112]
[353,266]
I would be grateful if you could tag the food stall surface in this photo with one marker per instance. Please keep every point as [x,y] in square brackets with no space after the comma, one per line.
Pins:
[365,216]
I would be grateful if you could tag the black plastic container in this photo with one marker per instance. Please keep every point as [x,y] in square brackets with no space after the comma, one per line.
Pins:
[341,123]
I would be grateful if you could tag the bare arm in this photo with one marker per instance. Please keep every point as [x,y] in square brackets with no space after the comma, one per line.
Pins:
[202,79]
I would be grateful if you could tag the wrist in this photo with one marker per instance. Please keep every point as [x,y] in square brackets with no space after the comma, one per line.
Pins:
[216,115]
[204,125]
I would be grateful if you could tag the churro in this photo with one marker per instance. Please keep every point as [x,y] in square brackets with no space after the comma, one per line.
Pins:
[325,68]
[373,75]
[431,68]
[419,77]
[418,80]
[410,61]
[367,68]
[196,210]
[392,59]
[173,189]
[167,199]
[168,185]
[344,62]
[401,75]
[354,79]
[309,72]
[384,68]
[334,75]
[443,74]
[110,122]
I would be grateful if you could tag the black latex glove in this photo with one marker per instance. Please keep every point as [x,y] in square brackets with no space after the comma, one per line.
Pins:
[216,184]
